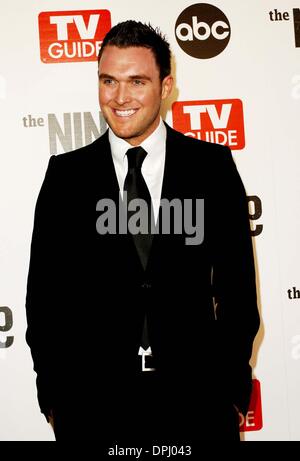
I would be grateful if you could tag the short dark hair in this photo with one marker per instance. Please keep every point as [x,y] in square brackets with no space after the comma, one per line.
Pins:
[135,33]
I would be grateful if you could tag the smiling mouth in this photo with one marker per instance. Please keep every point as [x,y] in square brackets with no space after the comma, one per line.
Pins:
[125,113]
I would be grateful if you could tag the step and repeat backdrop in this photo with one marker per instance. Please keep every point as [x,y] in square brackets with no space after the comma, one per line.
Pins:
[237,82]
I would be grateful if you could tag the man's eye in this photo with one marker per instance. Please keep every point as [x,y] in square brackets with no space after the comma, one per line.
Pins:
[108,81]
[138,82]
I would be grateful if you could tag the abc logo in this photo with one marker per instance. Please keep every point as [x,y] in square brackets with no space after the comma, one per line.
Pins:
[202,31]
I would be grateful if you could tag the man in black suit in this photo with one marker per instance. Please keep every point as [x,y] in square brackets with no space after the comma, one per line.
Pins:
[97,294]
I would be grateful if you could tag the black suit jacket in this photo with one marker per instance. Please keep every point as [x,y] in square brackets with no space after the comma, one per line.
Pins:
[87,294]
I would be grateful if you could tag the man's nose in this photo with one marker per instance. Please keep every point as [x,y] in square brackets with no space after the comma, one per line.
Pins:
[122,94]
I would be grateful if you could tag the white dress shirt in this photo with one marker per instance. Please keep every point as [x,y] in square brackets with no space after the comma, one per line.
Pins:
[152,167]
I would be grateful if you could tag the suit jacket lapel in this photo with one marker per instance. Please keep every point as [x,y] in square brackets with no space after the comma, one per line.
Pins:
[107,186]
[106,182]
[171,189]
[173,161]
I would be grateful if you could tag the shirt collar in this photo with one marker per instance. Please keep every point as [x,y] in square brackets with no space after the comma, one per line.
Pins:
[154,145]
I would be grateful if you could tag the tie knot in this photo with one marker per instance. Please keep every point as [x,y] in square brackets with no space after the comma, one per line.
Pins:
[136,156]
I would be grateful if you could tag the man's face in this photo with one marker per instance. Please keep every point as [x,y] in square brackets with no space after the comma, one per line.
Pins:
[130,92]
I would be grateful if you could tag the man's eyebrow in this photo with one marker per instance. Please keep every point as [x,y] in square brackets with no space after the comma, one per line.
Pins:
[106,76]
[140,77]
[131,77]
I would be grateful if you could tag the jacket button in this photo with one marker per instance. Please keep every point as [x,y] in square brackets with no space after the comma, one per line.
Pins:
[146,285]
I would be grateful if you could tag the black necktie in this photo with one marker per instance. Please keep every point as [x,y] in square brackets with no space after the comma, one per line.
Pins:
[136,188]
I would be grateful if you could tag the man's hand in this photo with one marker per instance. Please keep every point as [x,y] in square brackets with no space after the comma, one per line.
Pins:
[51,419]
[236,408]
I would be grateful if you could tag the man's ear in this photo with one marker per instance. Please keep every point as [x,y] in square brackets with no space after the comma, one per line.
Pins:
[166,86]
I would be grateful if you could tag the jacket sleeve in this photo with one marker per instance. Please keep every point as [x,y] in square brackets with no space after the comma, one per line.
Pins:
[40,297]
[234,282]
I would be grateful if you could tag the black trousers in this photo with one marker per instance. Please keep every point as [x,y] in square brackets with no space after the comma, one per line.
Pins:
[146,411]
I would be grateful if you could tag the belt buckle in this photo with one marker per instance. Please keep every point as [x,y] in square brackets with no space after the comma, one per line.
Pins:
[144,354]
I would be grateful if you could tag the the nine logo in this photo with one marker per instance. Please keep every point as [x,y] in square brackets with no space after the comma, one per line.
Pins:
[296,14]
[276,15]
[255,213]
[219,121]
[202,31]
[253,420]
[293,293]
[69,36]
[5,326]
